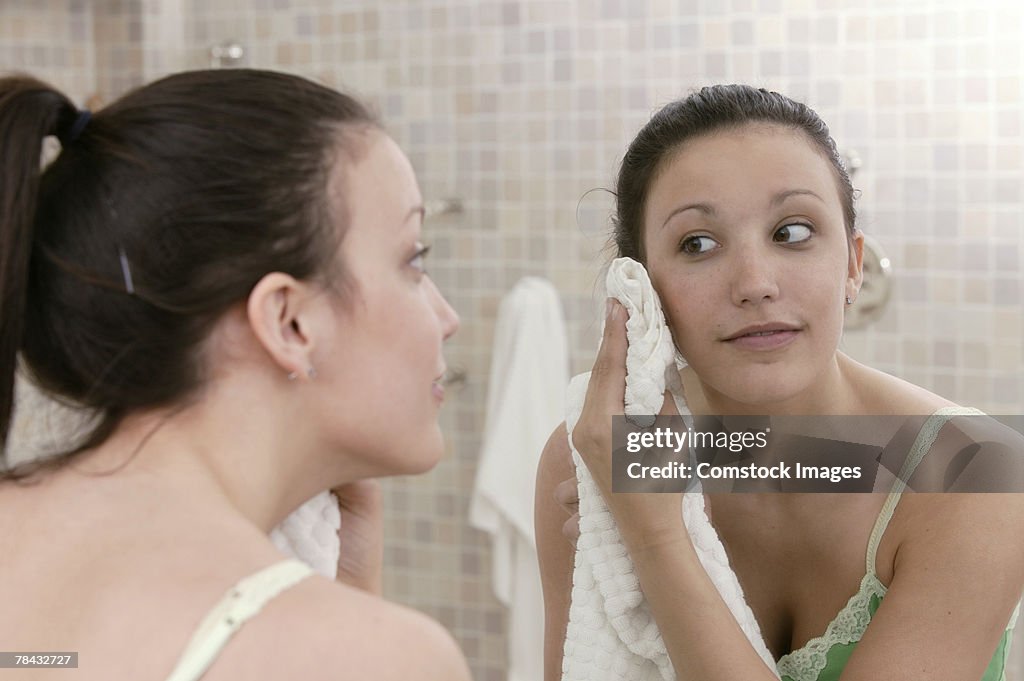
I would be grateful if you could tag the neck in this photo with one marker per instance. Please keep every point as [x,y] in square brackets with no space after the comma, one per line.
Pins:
[831,393]
[229,454]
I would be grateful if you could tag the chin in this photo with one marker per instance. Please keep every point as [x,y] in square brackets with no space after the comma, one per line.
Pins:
[421,455]
[424,463]
[765,391]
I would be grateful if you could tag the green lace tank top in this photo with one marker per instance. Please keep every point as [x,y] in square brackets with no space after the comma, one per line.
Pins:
[824,657]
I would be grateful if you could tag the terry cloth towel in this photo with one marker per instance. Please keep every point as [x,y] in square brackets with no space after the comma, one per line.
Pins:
[525,403]
[310,534]
[611,633]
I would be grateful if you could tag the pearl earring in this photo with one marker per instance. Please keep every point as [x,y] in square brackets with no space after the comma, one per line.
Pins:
[849,300]
[310,372]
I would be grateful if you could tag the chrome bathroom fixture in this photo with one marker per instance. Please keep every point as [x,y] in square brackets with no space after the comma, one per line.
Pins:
[227,54]
[454,377]
[852,161]
[875,289]
[435,208]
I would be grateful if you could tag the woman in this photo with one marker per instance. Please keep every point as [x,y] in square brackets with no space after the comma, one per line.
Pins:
[738,205]
[227,267]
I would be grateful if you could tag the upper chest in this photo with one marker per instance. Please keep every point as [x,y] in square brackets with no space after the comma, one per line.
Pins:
[799,558]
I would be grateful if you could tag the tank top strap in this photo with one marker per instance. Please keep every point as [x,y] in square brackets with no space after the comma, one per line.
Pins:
[239,604]
[925,439]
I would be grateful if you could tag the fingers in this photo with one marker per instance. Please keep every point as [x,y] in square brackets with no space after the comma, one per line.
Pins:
[571,529]
[608,379]
[606,389]
[567,495]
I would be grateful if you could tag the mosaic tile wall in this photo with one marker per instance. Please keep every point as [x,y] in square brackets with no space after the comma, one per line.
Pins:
[52,40]
[519,107]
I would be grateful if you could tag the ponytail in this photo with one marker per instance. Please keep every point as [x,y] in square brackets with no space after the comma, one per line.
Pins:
[120,257]
[29,111]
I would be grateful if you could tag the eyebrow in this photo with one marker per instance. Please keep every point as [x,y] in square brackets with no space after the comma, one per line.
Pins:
[782,196]
[708,209]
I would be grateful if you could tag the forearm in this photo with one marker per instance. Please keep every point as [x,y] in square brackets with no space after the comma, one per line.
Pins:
[701,635]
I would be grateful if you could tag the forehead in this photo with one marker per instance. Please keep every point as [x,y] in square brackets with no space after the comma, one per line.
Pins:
[369,161]
[372,183]
[752,160]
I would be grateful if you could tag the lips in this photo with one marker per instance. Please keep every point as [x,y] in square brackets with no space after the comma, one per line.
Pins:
[763,337]
[761,330]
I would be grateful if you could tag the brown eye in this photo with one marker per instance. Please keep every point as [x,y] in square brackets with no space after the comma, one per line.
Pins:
[793,233]
[695,245]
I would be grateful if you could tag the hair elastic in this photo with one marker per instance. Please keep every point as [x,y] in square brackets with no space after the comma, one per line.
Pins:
[76,128]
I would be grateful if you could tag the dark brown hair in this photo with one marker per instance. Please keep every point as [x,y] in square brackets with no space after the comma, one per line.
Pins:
[711,109]
[156,217]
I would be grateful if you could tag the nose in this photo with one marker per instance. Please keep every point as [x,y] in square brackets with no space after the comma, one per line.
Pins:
[445,312]
[754,277]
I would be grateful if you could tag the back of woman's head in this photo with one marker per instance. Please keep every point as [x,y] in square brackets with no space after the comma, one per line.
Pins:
[160,212]
[710,110]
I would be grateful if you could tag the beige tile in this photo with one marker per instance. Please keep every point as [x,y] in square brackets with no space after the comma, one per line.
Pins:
[326,25]
[977,290]
[347,22]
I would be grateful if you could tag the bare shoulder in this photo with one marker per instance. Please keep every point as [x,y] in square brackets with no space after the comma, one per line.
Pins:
[882,393]
[986,523]
[958,575]
[963,539]
[323,630]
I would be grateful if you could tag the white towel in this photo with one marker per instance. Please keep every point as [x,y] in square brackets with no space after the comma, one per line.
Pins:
[611,633]
[525,402]
[310,534]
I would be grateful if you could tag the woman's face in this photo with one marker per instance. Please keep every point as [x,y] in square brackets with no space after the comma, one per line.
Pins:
[747,249]
[384,355]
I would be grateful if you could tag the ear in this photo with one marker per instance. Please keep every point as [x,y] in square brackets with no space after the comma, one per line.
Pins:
[855,273]
[280,316]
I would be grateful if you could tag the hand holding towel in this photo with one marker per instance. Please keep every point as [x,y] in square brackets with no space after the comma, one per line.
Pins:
[611,632]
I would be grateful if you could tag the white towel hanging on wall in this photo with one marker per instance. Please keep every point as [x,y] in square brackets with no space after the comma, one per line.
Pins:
[525,403]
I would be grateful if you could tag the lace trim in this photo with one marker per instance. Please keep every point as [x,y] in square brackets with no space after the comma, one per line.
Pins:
[806,663]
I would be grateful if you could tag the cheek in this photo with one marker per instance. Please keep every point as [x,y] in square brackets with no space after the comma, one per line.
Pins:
[821,284]
[410,329]
[691,326]
[687,308]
